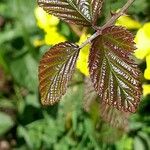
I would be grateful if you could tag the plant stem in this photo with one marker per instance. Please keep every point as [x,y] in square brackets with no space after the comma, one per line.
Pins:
[109,23]
[117,15]
[90,39]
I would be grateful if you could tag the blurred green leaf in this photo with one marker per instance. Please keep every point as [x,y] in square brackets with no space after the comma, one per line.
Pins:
[24,72]
[22,132]
[138,144]
[32,99]
[6,103]
[6,123]
[126,143]
[145,138]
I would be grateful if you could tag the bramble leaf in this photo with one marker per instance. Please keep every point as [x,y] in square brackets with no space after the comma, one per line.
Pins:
[90,94]
[115,117]
[113,72]
[109,114]
[55,71]
[96,9]
[81,12]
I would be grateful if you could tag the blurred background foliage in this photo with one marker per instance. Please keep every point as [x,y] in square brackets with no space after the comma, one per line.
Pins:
[26,33]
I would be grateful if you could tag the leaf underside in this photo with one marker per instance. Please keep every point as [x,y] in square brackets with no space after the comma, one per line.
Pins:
[114,117]
[55,71]
[110,114]
[90,94]
[80,12]
[113,72]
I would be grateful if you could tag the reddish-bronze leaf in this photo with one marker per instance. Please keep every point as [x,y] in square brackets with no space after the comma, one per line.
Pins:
[55,71]
[96,9]
[109,114]
[81,12]
[115,117]
[114,74]
[90,94]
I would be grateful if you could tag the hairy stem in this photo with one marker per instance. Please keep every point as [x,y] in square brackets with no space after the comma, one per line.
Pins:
[90,39]
[117,15]
[109,23]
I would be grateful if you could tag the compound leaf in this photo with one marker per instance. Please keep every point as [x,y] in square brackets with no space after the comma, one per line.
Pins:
[81,12]
[55,71]
[113,72]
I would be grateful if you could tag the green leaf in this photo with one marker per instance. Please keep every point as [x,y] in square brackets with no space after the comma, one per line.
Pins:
[108,134]
[113,72]
[125,142]
[138,144]
[6,103]
[26,72]
[22,132]
[32,99]
[144,136]
[81,12]
[55,71]
[5,123]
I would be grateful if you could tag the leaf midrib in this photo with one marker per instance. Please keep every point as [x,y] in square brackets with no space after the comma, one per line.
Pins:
[48,88]
[124,92]
[76,8]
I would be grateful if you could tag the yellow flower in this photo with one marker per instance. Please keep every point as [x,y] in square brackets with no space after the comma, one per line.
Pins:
[53,37]
[49,24]
[147,71]
[142,41]
[146,89]
[128,22]
[82,62]
[45,20]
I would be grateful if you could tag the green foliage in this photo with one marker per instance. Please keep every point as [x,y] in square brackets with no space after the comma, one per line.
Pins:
[6,123]
[24,123]
[27,70]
